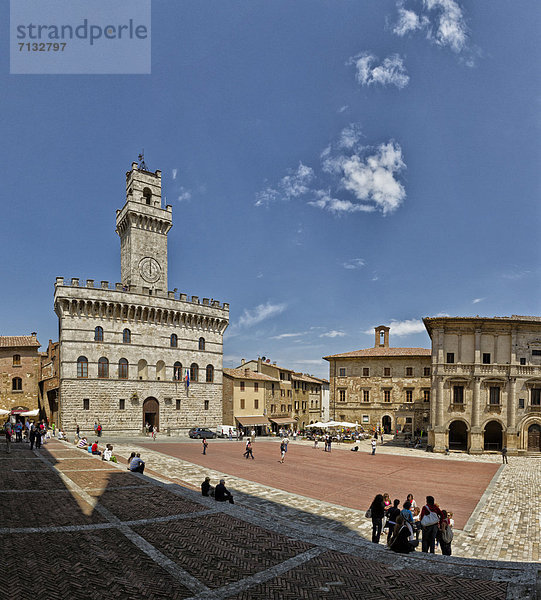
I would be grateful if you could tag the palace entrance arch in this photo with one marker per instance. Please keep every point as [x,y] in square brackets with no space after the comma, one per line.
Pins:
[458,435]
[151,413]
[534,438]
[493,436]
[386,424]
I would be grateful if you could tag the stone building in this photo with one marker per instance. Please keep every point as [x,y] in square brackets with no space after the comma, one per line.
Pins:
[134,352]
[289,398]
[244,399]
[49,382]
[382,386]
[486,384]
[19,373]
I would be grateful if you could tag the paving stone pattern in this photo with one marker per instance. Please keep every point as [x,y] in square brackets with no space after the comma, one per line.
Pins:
[157,539]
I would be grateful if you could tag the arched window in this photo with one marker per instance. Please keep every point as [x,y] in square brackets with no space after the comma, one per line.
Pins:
[82,367]
[194,372]
[210,373]
[201,343]
[103,368]
[16,384]
[126,336]
[160,370]
[147,195]
[98,334]
[123,368]
[174,340]
[177,371]
[16,360]
[142,369]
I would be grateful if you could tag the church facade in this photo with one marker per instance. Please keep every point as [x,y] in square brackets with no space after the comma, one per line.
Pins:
[133,353]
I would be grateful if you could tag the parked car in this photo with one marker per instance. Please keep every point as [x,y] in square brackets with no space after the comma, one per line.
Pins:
[201,432]
[223,431]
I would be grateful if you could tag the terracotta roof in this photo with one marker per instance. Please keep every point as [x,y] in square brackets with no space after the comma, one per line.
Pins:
[319,379]
[382,352]
[303,377]
[267,364]
[18,341]
[241,374]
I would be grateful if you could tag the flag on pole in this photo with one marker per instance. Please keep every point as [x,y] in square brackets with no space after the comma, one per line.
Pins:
[187,378]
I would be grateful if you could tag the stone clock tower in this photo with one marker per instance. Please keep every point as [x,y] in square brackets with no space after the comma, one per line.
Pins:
[143,226]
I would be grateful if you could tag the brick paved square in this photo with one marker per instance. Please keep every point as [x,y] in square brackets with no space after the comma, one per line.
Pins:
[105,479]
[144,503]
[80,464]
[17,451]
[46,480]
[63,454]
[220,549]
[45,509]
[94,565]
[21,464]
[337,576]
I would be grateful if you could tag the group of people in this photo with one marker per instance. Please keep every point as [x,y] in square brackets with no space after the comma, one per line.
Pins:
[36,433]
[405,525]
[220,493]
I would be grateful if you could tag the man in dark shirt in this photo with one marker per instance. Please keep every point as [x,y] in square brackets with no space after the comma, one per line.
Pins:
[206,487]
[137,465]
[221,493]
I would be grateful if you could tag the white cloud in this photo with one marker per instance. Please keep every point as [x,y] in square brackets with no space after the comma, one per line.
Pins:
[333,333]
[184,195]
[372,178]
[174,173]
[477,300]
[349,137]
[354,263]
[291,186]
[442,20]
[325,201]
[391,71]
[260,313]
[406,327]
[514,275]
[284,336]
[343,108]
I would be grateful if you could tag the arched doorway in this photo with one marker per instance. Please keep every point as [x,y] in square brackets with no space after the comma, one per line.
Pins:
[534,438]
[493,436]
[151,413]
[458,436]
[386,424]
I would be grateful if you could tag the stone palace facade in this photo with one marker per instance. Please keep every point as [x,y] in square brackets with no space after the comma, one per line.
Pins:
[135,353]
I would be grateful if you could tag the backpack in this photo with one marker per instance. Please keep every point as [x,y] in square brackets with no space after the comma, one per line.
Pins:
[447,535]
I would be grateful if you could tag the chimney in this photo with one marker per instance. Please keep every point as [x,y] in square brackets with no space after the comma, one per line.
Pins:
[247,372]
[242,361]
[33,334]
[259,364]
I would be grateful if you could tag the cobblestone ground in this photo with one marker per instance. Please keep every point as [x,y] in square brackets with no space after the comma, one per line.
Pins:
[73,526]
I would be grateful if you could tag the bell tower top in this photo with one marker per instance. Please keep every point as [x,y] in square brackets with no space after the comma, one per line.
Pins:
[143,225]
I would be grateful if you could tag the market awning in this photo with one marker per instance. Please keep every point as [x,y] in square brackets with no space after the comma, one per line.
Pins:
[30,413]
[19,410]
[246,421]
[283,421]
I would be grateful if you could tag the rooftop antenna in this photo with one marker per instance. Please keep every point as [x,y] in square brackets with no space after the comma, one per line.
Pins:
[141,158]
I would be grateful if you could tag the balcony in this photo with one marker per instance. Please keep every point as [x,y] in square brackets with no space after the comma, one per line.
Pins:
[457,407]
[534,408]
[494,408]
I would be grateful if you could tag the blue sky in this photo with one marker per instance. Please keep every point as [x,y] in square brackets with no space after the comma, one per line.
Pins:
[332,166]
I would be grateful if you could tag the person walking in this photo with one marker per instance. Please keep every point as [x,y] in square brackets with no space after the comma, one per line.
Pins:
[99,429]
[374,443]
[283,450]
[8,433]
[445,534]
[78,432]
[377,510]
[205,445]
[249,451]
[430,518]
[504,456]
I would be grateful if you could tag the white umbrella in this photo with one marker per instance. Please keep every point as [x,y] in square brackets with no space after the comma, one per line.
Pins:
[4,412]
[30,413]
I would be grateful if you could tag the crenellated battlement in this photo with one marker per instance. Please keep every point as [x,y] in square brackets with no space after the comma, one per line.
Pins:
[107,286]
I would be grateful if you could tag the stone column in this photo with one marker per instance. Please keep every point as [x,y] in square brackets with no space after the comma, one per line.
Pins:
[477,354]
[511,404]
[476,401]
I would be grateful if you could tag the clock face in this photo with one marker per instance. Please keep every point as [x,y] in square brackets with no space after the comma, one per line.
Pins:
[150,269]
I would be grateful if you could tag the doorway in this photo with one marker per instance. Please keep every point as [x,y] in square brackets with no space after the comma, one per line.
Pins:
[458,436]
[151,413]
[534,438]
[493,436]
[386,424]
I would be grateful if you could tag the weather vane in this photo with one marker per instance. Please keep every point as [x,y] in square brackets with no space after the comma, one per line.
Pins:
[141,158]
